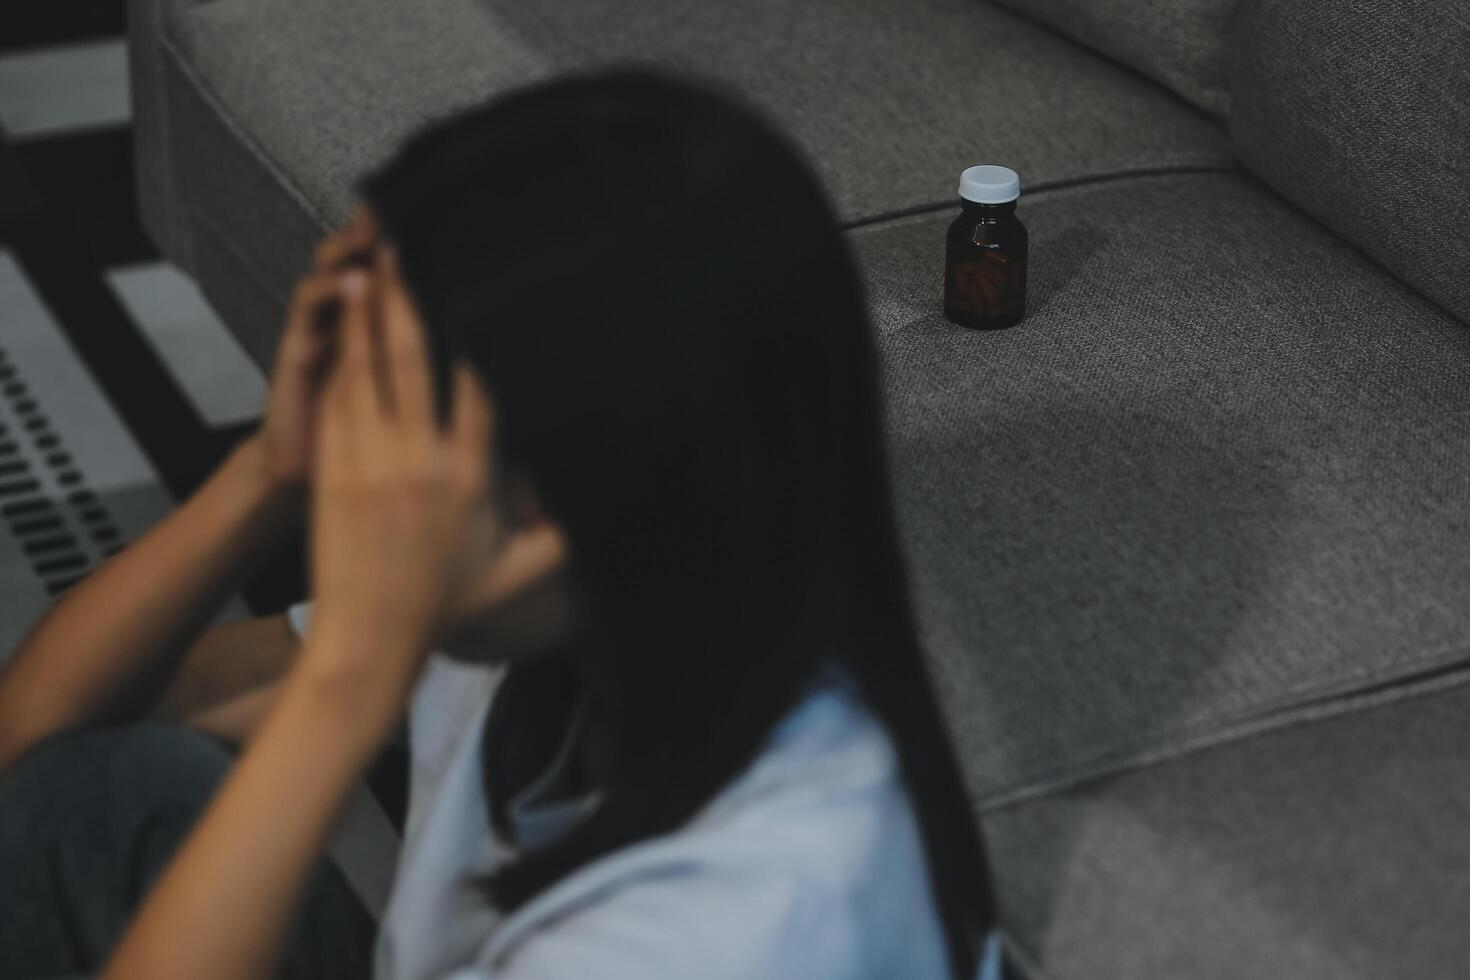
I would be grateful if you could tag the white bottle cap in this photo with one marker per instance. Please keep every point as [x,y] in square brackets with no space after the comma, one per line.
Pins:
[990,185]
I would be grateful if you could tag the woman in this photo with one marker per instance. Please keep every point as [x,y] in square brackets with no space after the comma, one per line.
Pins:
[596,494]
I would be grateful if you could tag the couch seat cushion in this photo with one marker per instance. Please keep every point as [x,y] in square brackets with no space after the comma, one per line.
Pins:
[1217,478]
[1330,851]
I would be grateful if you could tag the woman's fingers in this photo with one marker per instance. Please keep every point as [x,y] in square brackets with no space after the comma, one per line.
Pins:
[382,386]
[331,438]
[303,338]
[473,419]
[361,392]
[311,291]
[362,226]
[407,358]
[351,242]
[339,249]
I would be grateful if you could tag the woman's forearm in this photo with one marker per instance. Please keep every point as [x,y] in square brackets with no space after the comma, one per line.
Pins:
[109,646]
[224,906]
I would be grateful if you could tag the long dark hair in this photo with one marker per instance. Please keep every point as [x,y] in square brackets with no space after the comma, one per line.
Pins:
[655,289]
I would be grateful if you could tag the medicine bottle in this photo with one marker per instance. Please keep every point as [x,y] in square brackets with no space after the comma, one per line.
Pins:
[985,252]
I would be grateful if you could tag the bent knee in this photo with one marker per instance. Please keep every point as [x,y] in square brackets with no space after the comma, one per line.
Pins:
[111,772]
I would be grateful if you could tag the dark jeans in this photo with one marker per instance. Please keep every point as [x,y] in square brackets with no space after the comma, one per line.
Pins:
[87,822]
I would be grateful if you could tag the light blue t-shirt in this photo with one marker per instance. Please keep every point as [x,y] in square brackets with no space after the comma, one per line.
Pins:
[808,866]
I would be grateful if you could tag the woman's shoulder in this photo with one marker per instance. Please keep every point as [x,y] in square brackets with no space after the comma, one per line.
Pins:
[826,801]
[809,864]
[829,759]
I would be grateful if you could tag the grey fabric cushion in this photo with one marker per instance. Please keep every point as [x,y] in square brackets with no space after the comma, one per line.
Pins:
[1333,851]
[1217,476]
[1185,44]
[276,105]
[1359,111]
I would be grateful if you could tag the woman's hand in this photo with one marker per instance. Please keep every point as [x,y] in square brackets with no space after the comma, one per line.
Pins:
[405,539]
[305,351]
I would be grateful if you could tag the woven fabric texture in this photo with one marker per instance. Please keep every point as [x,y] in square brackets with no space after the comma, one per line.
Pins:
[270,109]
[1359,112]
[1217,476]
[1322,852]
[1184,44]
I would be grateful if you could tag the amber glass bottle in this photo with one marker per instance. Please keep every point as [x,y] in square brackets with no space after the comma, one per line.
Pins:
[985,252]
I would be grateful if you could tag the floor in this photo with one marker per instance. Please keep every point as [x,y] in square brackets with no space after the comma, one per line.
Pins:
[120,390]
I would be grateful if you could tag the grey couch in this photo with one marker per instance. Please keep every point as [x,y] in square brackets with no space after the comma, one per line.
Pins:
[1190,546]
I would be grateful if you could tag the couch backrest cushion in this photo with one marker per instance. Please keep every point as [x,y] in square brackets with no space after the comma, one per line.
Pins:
[1185,44]
[1359,112]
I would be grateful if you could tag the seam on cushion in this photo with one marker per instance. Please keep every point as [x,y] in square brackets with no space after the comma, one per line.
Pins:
[1345,697]
[1060,183]
[167,42]
[1347,689]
